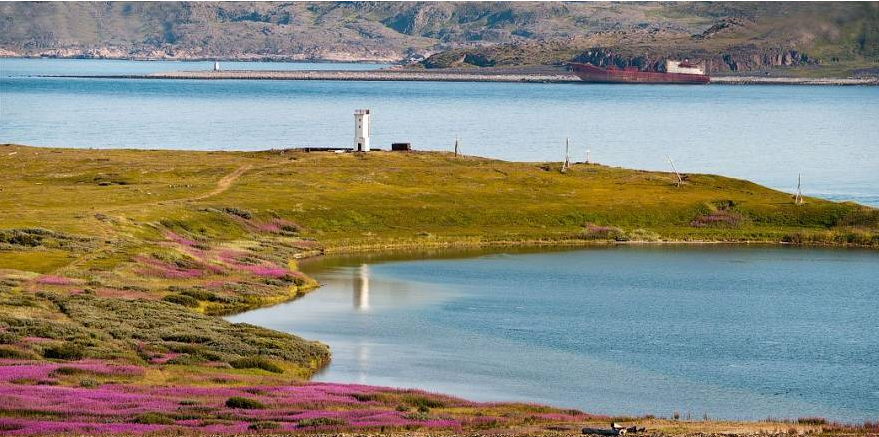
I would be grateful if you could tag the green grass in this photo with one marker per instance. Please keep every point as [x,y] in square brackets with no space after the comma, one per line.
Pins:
[350,201]
[39,261]
[244,403]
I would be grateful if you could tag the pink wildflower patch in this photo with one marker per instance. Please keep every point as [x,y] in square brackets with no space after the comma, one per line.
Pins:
[276,225]
[269,227]
[180,239]
[216,284]
[54,280]
[600,232]
[104,368]
[233,258]
[164,358]
[26,372]
[35,339]
[16,426]
[158,268]
[718,219]
[123,294]
[303,407]
[270,271]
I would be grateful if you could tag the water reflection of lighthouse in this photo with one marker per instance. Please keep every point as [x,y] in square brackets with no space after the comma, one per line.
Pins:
[361,288]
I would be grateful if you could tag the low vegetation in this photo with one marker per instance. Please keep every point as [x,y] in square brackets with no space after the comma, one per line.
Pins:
[109,293]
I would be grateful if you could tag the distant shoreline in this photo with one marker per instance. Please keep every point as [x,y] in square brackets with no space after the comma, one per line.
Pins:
[457,75]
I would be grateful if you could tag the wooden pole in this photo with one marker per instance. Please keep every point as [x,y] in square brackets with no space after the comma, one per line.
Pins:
[680,179]
[567,156]
[798,199]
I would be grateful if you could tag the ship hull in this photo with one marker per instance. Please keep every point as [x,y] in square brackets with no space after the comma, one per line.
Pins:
[591,73]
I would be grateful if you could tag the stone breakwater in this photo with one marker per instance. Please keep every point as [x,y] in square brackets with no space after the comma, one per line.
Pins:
[506,75]
[379,75]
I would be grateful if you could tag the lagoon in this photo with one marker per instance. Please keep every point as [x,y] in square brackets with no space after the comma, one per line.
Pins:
[727,332]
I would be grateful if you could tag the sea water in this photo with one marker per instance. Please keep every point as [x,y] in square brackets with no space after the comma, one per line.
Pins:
[768,134]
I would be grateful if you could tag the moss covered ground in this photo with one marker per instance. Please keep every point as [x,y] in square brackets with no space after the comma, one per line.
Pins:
[126,258]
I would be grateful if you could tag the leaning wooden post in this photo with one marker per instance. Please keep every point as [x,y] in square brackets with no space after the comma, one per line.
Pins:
[680,179]
[567,163]
[798,198]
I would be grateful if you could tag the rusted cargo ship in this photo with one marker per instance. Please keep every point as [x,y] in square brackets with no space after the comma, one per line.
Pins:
[675,72]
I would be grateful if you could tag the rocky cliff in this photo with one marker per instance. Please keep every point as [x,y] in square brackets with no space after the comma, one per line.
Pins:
[732,59]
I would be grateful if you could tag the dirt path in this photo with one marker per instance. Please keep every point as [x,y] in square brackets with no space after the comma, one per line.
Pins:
[104,228]
[222,185]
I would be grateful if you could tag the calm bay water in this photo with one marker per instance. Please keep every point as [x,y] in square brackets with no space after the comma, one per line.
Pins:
[768,134]
[733,332]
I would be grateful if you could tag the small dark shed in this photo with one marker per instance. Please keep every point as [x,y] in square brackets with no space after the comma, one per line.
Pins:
[401,147]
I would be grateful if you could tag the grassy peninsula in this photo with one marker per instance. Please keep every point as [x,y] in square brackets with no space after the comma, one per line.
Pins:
[114,265]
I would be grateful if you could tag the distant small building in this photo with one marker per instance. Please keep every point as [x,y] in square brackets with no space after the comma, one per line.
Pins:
[216,65]
[685,67]
[401,147]
[361,130]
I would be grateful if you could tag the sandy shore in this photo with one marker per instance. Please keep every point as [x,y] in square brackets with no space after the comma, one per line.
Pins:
[538,75]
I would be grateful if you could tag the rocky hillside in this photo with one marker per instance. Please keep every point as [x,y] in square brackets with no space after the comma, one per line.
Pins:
[726,36]
[813,38]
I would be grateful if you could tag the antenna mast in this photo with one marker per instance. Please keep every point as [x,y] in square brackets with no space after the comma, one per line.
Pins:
[680,179]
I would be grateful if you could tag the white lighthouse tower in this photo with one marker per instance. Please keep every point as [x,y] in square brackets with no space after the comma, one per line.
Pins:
[361,130]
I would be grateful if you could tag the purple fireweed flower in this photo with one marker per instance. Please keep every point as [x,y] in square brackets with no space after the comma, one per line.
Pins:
[155,267]
[270,271]
[269,227]
[216,284]
[164,358]
[54,280]
[267,269]
[104,368]
[598,229]
[179,239]
[16,426]
[108,408]
[122,294]
[721,217]
[107,400]
[26,372]
[219,394]
[35,339]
